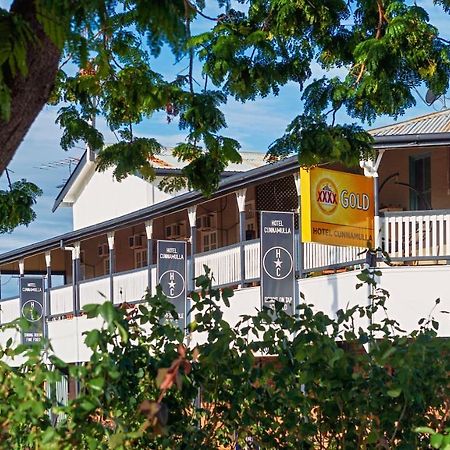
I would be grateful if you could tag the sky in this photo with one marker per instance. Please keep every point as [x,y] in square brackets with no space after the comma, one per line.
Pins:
[255,125]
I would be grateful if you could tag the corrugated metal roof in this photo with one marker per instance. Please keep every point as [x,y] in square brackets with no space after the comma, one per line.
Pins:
[436,122]
[250,160]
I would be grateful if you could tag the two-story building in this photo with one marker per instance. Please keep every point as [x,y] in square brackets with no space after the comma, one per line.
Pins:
[111,252]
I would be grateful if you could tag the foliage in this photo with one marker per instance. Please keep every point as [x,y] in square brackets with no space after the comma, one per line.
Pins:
[373,55]
[382,51]
[281,382]
[437,440]
[16,205]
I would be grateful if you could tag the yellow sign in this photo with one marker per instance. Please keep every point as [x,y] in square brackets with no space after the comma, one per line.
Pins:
[336,207]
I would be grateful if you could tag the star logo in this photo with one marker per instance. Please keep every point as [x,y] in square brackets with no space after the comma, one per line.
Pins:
[171,284]
[278,263]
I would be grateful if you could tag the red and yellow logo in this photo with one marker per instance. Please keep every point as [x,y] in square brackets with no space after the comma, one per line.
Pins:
[327,196]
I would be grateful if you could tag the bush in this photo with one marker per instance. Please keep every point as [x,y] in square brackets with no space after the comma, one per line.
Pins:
[271,382]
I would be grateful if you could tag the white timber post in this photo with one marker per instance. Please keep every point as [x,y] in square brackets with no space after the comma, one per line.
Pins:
[240,198]
[112,264]
[192,215]
[21,267]
[149,233]
[300,249]
[48,261]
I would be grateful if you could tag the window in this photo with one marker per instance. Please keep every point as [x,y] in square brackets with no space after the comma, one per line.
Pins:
[208,240]
[250,220]
[106,266]
[420,182]
[176,230]
[103,250]
[206,221]
[140,258]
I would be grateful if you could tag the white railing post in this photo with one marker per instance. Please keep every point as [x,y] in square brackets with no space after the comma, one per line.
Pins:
[149,234]
[240,198]
[300,247]
[441,249]
[447,233]
[414,236]
[112,264]
[192,215]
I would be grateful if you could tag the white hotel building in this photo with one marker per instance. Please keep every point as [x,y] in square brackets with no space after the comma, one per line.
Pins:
[111,250]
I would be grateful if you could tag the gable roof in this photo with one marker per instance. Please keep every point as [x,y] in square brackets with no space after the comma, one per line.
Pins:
[431,129]
[165,164]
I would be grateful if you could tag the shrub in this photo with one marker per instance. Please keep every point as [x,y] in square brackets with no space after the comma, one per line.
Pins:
[273,381]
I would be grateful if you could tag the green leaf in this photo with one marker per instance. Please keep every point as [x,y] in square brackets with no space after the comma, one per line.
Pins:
[96,384]
[92,310]
[108,312]
[436,440]
[123,332]
[87,405]
[424,430]
[372,437]
[394,393]
[93,338]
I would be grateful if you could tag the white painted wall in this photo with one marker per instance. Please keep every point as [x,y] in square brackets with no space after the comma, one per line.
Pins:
[101,198]
[67,337]
[413,291]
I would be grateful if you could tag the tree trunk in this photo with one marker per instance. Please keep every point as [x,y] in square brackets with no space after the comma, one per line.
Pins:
[28,94]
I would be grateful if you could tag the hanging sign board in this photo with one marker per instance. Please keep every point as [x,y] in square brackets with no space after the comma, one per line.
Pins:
[171,273]
[277,260]
[32,308]
[337,208]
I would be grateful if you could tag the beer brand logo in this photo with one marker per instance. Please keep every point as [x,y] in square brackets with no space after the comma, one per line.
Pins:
[327,196]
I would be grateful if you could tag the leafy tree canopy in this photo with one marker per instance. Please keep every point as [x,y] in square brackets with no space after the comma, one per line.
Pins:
[98,58]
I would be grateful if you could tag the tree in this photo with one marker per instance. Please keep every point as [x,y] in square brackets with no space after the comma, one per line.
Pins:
[384,49]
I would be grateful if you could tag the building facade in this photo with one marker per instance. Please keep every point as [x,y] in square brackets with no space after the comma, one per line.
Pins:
[111,252]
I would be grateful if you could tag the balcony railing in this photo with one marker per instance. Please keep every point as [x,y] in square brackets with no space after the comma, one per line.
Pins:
[416,235]
[421,235]
[224,264]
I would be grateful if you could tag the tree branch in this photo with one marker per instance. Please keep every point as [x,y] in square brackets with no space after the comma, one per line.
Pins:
[192,6]
[188,5]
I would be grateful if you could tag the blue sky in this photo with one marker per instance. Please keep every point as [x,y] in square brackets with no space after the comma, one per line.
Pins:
[255,124]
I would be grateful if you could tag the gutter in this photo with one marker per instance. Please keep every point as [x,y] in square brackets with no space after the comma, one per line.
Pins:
[411,140]
[73,176]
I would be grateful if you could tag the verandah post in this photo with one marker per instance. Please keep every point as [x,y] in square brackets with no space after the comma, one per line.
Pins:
[112,264]
[149,234]
[192,214]
[240,197]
